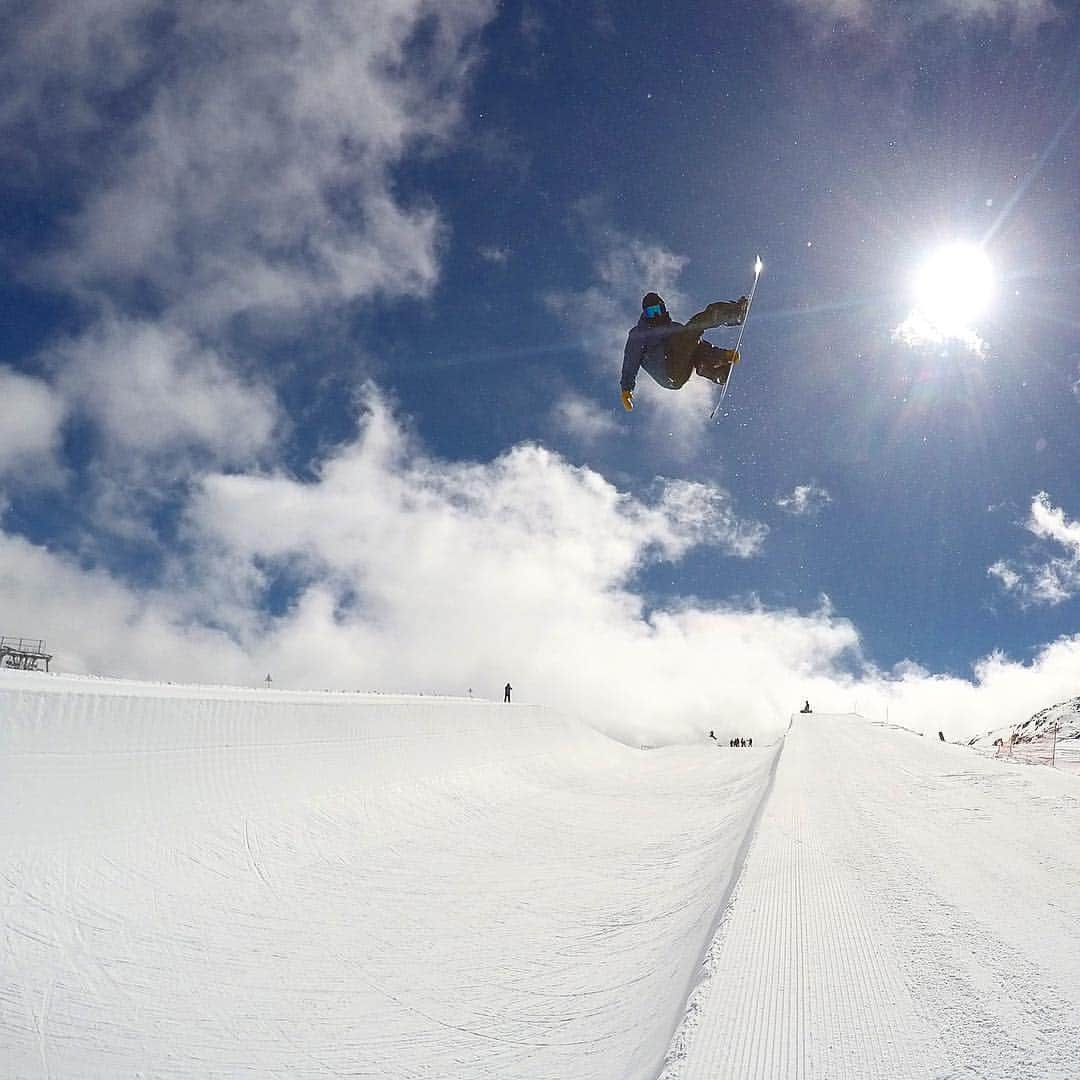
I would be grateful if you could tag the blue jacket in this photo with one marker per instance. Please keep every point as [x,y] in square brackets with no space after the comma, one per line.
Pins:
[646,345]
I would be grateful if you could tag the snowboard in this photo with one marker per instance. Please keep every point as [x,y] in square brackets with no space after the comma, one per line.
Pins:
[758,267]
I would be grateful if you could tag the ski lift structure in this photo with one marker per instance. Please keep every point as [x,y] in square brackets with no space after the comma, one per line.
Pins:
[25,654]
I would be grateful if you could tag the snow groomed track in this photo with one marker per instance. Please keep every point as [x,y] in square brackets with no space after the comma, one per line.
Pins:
[198,882]
[209,882]
[907,909]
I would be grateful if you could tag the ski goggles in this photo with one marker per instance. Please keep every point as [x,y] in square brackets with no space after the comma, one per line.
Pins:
[653,310]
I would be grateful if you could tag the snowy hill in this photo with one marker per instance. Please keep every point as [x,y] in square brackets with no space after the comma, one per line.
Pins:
[1051,736]
[1065,716]
[219,882]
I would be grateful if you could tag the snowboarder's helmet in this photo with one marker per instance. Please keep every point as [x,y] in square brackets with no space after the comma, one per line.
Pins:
[653,305]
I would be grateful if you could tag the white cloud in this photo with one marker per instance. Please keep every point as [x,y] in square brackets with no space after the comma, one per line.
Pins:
[917,330]
[806,500]
[493,253]
[259,175]
[702,514]
[1009,577]
[887,19]
[624,269]
[163,407]
[582,419]
[95,624]
[857,11]
[416,573]
[61,56]
[154,390]
[1050,573]
[31,417]
[1025,13]
[1001,692]
[250,186]
[380,496]
[411,573]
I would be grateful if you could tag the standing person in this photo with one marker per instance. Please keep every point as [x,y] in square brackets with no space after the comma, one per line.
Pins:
[671,352]
[506,692]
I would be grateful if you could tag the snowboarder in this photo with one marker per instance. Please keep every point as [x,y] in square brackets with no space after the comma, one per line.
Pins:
[671,352]
[506,692]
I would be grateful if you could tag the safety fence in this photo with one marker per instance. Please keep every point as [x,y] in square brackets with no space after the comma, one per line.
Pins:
[1060,750]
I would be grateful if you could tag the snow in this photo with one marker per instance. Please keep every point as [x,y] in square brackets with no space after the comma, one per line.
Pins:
[1050,737]
[202,881]
[908,909]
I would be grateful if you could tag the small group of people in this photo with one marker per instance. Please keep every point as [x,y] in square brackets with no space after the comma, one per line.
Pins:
[731,742]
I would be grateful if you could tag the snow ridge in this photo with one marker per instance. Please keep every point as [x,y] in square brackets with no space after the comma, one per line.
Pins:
[211,881]
[701,987]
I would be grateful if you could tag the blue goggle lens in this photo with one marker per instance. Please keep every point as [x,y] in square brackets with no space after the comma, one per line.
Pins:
[653,310]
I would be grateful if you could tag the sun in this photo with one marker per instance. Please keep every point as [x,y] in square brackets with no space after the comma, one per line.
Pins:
[953,289]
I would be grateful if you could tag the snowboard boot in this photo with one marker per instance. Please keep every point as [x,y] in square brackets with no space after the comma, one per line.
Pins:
[742,305]
[718,364]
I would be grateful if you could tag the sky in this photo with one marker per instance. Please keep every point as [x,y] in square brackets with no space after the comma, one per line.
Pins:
[311,321]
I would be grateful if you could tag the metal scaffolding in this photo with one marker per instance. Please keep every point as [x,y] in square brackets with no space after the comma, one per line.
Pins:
[26,654]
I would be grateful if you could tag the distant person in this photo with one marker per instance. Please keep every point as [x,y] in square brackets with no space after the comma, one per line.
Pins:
[941,735]
[806,708]
[750,742]
[712,735]
[506,692]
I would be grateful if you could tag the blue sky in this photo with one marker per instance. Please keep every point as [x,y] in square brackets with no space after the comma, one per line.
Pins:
[312,323]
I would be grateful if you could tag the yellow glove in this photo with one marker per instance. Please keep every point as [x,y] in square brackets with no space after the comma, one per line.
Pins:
[628,400]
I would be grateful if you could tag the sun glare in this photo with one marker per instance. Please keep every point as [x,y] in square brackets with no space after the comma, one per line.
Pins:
[953,288]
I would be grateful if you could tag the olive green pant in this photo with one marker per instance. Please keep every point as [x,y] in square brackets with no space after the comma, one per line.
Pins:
[687,353]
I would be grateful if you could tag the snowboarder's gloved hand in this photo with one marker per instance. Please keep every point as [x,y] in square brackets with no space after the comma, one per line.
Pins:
[628,400]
